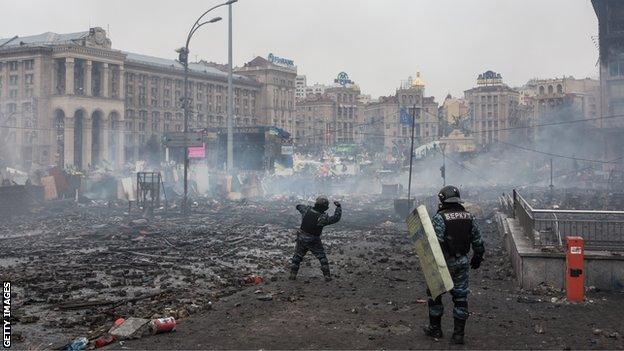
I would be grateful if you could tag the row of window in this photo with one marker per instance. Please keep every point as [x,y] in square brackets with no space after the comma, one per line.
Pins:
[13,65]
[551,89]
[283,82]
[14,79]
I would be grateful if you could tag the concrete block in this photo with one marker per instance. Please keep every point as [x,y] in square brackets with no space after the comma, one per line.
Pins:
[132,328]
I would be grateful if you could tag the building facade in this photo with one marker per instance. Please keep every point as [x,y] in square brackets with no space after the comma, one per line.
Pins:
[72,100]
[277,96]
[493,105]
[300,84]
[392,133]
[61,99]
[330,118]
[610,15]
[313,127]
[452,112]
[382,116]
[552,94]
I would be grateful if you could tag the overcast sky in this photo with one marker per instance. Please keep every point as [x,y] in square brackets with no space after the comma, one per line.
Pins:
[377,42]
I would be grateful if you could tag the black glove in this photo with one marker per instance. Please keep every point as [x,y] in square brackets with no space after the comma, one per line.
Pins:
[337,203]
[475,262]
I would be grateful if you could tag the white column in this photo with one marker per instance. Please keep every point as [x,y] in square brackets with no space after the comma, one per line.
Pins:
[69,78]
[120,144]
[122,83]
[104,139]
[105,81]
[87,78]
[68,140]
[86,141]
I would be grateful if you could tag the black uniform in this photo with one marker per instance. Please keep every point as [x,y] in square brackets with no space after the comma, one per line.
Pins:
[309,236]
[457,231]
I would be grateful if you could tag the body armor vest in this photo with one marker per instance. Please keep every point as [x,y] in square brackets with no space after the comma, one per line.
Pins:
[458,224]
[309,224]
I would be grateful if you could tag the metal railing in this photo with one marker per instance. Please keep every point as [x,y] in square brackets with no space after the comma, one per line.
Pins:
[601,230]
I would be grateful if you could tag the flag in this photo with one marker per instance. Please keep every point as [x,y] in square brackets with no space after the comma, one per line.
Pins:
[405,117]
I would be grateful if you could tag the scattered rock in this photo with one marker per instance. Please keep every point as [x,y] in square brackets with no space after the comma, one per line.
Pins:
[538,329]
[267,297]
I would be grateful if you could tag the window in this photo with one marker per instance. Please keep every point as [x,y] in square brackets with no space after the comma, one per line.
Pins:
[13,80]
[28,79]
[13,93]
[12,65]
[29,65]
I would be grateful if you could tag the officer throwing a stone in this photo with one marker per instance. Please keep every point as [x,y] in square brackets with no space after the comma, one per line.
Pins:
[457,231]
[309,234]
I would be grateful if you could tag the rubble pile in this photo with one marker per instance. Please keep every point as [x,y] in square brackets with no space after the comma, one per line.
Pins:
[78,268]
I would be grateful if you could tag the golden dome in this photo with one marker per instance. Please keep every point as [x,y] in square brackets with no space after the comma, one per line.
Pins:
[418,82]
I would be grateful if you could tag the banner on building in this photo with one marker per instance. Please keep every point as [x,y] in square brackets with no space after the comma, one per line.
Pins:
[405,117]
[197,152]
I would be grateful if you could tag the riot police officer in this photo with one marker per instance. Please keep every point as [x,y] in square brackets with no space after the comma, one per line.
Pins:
[309,234]
[457,231]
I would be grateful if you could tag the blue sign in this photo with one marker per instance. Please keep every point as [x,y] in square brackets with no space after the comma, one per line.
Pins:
[280,61]
[342,79]
[404,116]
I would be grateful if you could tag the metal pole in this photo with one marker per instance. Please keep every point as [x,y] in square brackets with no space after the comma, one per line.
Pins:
[409,183]
[444,166]
[186,117]
[230,105]
[551,173]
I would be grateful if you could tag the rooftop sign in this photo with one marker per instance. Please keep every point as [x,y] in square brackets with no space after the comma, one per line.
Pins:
[342,79]
[280,61]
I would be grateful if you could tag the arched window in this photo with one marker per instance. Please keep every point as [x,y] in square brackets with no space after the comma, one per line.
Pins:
[559,89]
[541,90]
[550,89]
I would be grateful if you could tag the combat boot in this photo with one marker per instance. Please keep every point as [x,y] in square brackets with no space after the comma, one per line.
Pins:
[434,329]
[458,331]
[327,274]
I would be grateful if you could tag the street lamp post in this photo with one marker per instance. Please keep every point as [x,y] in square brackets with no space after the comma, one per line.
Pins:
[230,104]
[183,58]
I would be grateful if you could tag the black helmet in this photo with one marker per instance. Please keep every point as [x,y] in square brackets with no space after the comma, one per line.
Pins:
[449,195]
[321,204]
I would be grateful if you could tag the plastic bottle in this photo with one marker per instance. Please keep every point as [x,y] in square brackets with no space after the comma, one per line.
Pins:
[78,344]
